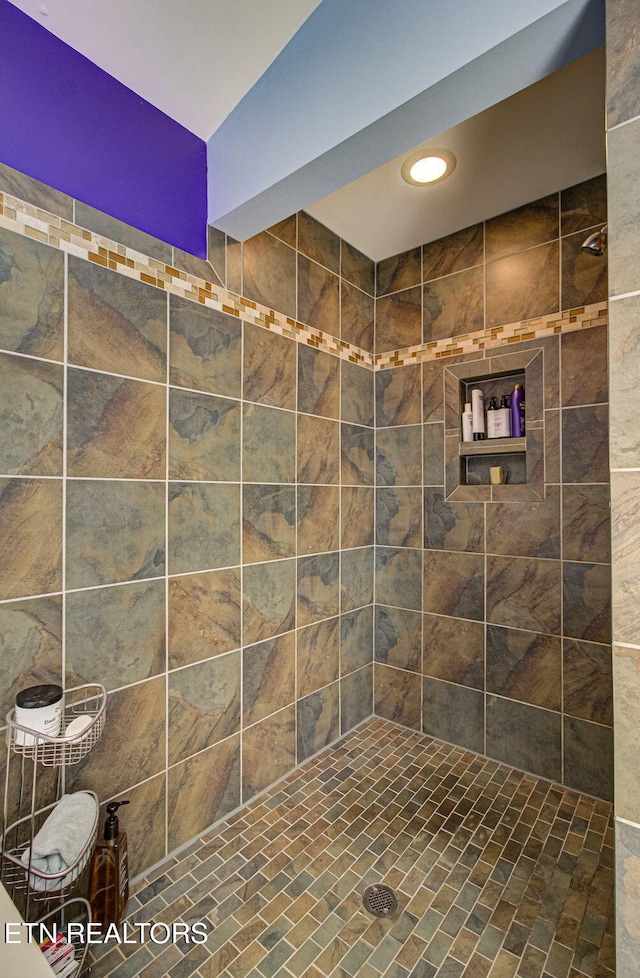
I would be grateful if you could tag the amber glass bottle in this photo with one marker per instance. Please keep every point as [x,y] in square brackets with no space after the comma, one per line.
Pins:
[109,875]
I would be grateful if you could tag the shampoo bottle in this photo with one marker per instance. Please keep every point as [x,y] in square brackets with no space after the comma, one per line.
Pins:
[517,411]
[109,875]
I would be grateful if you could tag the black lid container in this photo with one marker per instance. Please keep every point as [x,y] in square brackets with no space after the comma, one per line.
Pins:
[36,697]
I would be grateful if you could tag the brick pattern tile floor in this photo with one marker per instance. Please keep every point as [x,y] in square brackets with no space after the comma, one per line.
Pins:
[497,873]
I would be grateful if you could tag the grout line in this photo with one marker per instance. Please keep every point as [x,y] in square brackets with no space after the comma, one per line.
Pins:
[30,356]
[33,478]
[627,821]
[423,523]
[559,239]
[374,549]
[624,295]
[485,696]
[166,578]
[561,544]
[63,550]
[340,434]
[484,274]
[242,565]
[621,125]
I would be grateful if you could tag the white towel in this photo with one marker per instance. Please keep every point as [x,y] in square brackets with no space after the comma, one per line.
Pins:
[61,840]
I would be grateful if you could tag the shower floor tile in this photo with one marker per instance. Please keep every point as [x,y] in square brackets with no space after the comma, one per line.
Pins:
[497,874]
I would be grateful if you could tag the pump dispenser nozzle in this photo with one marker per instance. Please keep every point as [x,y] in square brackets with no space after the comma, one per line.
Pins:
[112,824]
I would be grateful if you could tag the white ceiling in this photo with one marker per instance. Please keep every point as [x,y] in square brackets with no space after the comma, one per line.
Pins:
[193,59]
[545,138]
[196,59]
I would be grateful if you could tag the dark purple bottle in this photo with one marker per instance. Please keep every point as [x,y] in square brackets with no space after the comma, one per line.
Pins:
[517,411]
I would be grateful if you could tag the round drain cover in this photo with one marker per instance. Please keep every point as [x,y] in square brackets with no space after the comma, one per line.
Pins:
[380,900]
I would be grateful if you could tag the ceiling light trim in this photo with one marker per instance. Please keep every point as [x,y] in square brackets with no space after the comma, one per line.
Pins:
[431,152]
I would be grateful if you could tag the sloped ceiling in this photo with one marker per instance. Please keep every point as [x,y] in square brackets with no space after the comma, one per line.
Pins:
[193,59]
[308,104]
[545,138]
[362,82]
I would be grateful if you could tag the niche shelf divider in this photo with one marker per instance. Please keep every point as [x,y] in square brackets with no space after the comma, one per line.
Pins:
[467,463]
[494,446]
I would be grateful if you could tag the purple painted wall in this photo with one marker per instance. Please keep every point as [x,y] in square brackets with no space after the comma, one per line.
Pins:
[68,123]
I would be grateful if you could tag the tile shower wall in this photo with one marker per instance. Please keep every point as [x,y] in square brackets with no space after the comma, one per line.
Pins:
[265,450]
[623,142]
[298,267]
[493,621]
[186,508]
[523,264]
[303,269]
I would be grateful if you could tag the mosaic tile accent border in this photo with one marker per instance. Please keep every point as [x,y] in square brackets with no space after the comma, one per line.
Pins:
[529,329]
[23,218]
[32,222]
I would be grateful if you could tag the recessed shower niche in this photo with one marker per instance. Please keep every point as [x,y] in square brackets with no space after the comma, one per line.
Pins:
[522,459]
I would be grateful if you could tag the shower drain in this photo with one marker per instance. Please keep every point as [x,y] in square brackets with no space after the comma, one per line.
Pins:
[380,900]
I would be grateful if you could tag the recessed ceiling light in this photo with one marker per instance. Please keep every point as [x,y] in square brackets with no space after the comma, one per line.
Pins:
[428,166]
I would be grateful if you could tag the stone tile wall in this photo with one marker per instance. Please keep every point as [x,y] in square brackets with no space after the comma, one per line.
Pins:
[493,622]
[496,635]
[186,509]
[518,266]
[298,267]
[623,147]
[216,494]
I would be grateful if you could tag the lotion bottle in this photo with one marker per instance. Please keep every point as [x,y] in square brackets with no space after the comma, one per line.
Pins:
[109,875]
[467,423]
[477,408]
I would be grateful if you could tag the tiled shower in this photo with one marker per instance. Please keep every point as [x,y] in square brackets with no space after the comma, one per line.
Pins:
[508,601]
[148,442]
[341,296]
[196,504]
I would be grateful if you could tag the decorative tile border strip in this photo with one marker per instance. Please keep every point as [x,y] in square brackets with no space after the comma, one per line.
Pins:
[32,222]
[528,329]
[26,219]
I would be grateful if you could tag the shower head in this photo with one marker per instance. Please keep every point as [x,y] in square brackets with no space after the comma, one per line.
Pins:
[596,243]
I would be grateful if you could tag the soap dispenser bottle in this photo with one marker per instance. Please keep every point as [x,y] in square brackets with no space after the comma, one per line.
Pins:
[504,420]
[492,419]
[109,875]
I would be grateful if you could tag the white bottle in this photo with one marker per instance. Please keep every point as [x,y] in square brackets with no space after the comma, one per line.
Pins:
[492,419]
[504,418]
[477,408]
[467,423]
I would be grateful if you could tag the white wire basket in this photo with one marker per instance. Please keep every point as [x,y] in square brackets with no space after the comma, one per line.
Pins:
[76,910]
[88,701]
[18,874]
